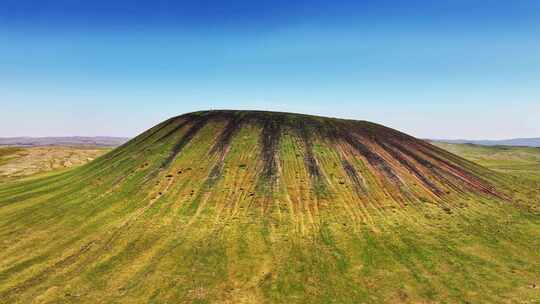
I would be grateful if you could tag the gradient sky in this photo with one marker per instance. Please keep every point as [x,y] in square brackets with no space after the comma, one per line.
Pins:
[434,69]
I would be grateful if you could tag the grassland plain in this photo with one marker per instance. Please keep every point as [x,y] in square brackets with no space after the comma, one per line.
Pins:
[21,162]
[516,161]
[264,207]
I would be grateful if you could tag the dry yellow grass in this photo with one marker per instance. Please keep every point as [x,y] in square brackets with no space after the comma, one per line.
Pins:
[27,161]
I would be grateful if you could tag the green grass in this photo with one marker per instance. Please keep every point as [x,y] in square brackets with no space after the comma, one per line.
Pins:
[122,229]
[517,161]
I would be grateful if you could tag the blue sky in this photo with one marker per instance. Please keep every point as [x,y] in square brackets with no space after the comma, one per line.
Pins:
[438,69]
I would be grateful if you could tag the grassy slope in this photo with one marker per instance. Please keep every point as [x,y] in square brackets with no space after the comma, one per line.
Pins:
[107,233]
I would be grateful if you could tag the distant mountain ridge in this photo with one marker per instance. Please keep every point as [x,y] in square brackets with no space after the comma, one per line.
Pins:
[525,142]
[105,141]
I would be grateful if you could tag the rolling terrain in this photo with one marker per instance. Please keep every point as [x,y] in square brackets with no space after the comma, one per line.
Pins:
[514,142]
[78,141]
[22,162]
[266,207]
[521,162]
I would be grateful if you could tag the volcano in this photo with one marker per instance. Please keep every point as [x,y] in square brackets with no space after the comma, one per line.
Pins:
[250,206]
[298,159]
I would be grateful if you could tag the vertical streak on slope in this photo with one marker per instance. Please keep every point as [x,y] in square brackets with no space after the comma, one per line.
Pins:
[309,159]
[329,157]
[368,200]
[393,194]
[344,143]
[426,164]
[357,181]
[173,131]
[237,185]
[314,175]
[221,148]
[411,167]
[191,169]
[373,158]
[224,139]
[466,177]
[270,137]
[195,127]
[318,182]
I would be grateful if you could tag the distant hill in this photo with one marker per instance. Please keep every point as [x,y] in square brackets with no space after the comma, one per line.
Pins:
[523,142]
[104,141]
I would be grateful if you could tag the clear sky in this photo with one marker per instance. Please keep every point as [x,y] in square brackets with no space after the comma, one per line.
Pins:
[437,69]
